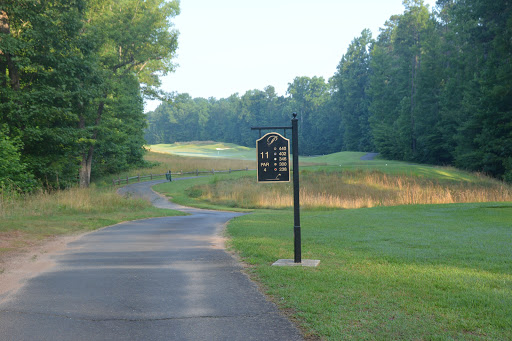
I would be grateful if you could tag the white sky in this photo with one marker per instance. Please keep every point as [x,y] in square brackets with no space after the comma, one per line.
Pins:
[231,46]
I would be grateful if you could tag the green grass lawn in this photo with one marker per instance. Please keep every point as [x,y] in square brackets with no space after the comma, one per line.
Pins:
[437,272]
[352,161]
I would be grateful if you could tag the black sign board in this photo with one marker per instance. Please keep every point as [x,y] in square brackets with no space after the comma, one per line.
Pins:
[273,155]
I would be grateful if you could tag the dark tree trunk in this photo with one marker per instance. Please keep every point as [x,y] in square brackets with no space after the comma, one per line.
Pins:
[86,163]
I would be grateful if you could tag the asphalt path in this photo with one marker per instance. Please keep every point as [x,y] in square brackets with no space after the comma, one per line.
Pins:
[154,279]
[369,156]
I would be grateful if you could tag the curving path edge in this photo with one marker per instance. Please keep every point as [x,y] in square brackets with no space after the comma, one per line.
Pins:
[155,279]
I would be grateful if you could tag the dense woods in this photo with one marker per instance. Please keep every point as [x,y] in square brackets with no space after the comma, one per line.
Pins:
[73,74]
[433,87]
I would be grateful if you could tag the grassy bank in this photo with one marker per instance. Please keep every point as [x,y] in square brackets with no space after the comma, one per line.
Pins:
[343,180]
[185,192]
[351,189]
[26,219]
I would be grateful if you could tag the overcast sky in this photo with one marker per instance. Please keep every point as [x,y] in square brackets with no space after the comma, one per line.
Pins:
[231,46]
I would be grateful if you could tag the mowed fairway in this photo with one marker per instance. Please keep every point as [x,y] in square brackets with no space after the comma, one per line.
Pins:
[408,272]
[206,149]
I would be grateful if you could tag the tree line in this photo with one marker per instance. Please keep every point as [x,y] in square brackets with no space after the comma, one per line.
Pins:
[73,75]
[435,86]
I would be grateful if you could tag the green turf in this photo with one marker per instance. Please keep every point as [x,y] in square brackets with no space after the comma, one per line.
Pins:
[436,272]
[352,161]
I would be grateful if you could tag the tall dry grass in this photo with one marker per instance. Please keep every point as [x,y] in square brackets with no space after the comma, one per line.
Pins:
[44,203]
[354,189]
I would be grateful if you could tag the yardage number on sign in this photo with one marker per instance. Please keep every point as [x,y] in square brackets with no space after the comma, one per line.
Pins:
[273,155]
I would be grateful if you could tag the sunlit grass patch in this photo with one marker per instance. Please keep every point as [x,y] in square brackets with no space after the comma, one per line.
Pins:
[352,161]
[208,149]
[25,218]
[208,155]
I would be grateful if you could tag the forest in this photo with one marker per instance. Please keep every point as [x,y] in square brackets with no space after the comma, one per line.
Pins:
[73,76]
[435,87]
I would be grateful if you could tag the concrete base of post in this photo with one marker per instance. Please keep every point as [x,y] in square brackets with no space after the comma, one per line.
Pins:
[291,262]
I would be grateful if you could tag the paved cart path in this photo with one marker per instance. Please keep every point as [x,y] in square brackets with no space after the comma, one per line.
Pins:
[155,279]
[369,156]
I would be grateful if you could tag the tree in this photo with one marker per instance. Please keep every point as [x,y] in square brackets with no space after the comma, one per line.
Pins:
[483,34]
[39,49]
[385,93]
[351,83]
[122,134]
[402,88]
[132,38]
[308,97]
[408,40]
